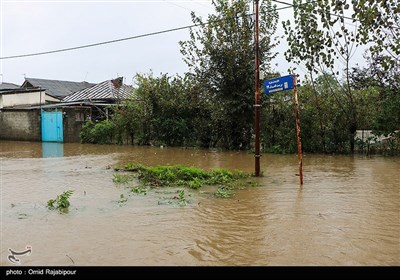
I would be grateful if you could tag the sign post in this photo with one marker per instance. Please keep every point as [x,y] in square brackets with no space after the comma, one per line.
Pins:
[278,84]
[281,84]
[299,149]
[257,104]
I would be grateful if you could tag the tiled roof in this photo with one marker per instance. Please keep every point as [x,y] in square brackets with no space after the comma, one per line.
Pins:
[8,86]
[109,90]
[56,88]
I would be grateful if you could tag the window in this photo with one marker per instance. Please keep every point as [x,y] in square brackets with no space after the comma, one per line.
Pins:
[79,116]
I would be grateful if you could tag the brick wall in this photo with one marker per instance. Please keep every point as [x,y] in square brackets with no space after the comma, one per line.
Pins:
[23,125]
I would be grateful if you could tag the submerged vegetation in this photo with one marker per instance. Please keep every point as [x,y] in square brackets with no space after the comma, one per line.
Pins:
[139,190]
[61,202]
[183,176]
[122,200]
[180,175]
[121,178]
[224,192]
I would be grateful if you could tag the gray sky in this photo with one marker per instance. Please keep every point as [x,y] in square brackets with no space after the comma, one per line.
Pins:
[37,26]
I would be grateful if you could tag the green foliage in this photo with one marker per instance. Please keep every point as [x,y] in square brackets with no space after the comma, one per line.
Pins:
[159,112]
[223,176]
[224,192]
[86,135]
[173,175]
[139,190]
[180,175]
[61,202]
[324,118]
[278,124]
[122,200]
[220,55]
[122,178]
[212,106]
[320,38]
[378,27]
[182,201]
[98,133]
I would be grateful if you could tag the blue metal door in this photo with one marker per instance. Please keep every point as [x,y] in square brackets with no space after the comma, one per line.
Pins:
[52,126]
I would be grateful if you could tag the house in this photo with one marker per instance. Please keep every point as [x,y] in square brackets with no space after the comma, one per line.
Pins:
[4,86]
[107,92]
[55,111]
[100,97]
[21,111]
[20,97]
[37,92]
[55,88]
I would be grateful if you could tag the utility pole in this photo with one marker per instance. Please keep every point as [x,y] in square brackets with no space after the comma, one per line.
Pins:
[257,104]
[299,148]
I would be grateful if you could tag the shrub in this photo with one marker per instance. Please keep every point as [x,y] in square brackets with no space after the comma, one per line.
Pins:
[99,133]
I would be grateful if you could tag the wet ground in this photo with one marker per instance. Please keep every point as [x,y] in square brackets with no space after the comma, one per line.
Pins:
[348,212]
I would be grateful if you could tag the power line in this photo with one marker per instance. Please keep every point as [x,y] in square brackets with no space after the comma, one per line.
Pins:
[102,43]
[182,7]
[135,37]
[113,41]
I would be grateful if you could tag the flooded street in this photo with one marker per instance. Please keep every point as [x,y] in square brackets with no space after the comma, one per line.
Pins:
[348,212]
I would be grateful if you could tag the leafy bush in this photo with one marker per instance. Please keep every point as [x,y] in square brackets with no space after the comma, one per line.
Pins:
[180,175]
[99,133]
[61,202]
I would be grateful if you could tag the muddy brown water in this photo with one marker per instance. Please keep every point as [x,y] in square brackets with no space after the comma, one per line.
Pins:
[348,212]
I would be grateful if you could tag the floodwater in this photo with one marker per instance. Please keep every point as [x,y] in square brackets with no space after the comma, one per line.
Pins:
[348,212]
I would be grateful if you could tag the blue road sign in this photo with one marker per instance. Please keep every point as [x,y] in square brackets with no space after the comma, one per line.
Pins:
[278,84]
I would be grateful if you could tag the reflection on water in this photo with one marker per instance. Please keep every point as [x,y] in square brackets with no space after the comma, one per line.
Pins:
[52,149]
[348,212]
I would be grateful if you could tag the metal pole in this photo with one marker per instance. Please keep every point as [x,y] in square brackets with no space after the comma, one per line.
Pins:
[299,149]
[257,104]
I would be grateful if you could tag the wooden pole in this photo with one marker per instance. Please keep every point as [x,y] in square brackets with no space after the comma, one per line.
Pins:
[299,149]
[257,95]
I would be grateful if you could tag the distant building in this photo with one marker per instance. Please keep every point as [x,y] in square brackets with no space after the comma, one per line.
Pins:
[35,92]
[366,135]
[4,86]
[22,98]
[107,92]
[100,97]
[55,88]
[54,110]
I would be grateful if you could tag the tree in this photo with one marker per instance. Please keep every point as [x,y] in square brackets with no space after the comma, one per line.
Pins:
[159,112]
[385,85]
[220,56]
[321,38]
[379,26]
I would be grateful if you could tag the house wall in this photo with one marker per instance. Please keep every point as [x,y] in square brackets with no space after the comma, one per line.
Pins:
[365,134]
[73,120]
[26,98]
[23,125]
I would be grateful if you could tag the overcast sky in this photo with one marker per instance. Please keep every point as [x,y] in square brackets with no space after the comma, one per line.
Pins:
[38,26]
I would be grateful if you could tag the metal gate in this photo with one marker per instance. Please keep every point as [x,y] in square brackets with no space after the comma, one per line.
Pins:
[52,126]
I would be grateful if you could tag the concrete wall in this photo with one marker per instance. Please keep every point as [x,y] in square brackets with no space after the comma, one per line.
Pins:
[23,125]
[73,120]
[365,134]
[26,98]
